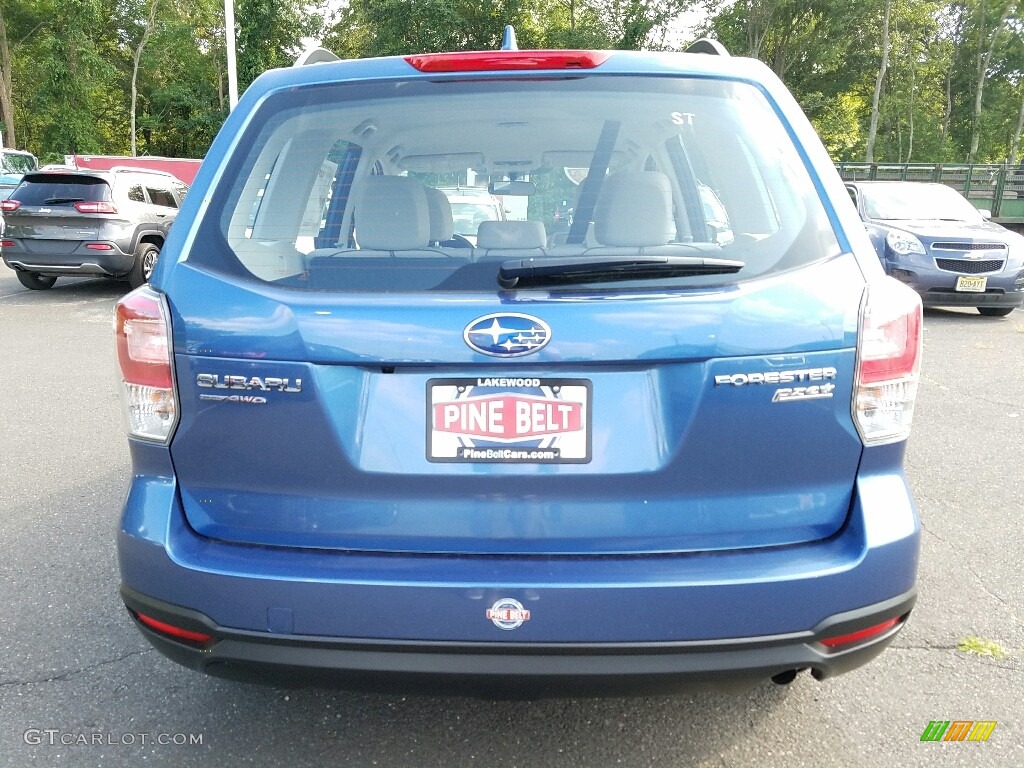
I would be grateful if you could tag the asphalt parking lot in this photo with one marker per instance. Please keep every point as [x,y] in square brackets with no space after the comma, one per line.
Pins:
[73,668]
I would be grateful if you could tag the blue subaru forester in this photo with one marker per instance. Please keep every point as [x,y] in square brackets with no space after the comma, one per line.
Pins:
[655,443]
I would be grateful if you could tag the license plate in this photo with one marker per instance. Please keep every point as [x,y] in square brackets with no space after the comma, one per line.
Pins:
[503,420]
[971,284]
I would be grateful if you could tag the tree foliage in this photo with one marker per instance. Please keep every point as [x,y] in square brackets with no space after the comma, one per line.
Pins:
[952,87]
[939,68]
[270,34]
[393,27]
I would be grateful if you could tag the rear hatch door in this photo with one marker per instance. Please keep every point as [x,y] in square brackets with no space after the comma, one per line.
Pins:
[692,423]
[349,380]
[46,220]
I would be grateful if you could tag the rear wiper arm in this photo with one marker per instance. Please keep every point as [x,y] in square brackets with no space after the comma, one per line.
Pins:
[60,200]
[589,269]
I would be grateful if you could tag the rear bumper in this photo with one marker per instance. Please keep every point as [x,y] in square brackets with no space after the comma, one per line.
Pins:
[517,668]
[80,261]
[733,617]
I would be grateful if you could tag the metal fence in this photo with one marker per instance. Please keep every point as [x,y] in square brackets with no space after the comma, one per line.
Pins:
[998,188]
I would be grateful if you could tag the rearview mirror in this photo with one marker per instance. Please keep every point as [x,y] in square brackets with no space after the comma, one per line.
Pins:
[514,188]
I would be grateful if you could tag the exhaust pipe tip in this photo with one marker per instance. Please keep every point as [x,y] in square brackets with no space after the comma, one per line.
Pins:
[785,678]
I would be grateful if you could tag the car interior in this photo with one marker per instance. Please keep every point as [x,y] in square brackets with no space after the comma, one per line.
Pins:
[346,196]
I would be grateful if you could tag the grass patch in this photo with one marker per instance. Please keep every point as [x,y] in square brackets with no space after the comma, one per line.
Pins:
[977,646]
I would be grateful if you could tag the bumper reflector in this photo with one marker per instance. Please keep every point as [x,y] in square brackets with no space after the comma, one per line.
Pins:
[172,631]
[860,634]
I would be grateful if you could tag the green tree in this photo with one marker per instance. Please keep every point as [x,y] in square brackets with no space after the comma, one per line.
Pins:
[950,88]
[820,48]
[573,24]
[990,36]
[1010,68]
[7,81]
[74,74]
[147,30]
[271,32]
[183,100]
[74,77]
[632,24]
[396,27]
[882,68]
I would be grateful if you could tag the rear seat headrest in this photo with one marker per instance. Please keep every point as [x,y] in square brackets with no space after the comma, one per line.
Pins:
[511,235]
[634,210]
[391,213]
[442,224]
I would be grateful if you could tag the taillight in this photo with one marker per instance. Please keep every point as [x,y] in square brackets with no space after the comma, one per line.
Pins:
[9,205]
[6,243]
[888,362]
[144,355]
[95,207]
[488,61]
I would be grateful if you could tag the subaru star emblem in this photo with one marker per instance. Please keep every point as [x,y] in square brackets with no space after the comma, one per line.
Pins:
[507,334]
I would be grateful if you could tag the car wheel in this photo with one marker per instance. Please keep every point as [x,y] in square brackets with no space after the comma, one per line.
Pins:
[995,311]
[35,281]
[145,261]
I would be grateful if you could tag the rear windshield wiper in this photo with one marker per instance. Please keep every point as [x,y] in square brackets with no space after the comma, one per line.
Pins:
[591,269]
[62,200]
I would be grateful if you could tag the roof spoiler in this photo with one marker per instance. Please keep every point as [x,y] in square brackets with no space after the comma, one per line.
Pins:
[508,43]
[315,56]
[707,45]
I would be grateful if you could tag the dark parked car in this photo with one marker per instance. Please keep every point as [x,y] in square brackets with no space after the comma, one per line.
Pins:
[109,223]
[666,451]
[929,237]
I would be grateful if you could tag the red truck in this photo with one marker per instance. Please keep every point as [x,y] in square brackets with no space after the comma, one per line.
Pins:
[184,169]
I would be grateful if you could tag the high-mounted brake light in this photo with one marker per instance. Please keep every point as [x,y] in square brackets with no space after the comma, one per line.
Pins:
[888,362]
[172,631]
[95,207]
[9,205]
[496,61]
[144,355]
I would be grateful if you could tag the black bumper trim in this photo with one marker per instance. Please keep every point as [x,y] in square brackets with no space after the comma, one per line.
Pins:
[81,261]
[965,299]
[516,668]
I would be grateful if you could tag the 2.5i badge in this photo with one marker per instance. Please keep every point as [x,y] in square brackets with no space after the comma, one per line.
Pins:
[508,420]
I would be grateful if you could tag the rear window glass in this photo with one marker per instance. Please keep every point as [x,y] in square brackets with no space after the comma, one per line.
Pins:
[54,189]
[11,162]
[432,185]
[917,201]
